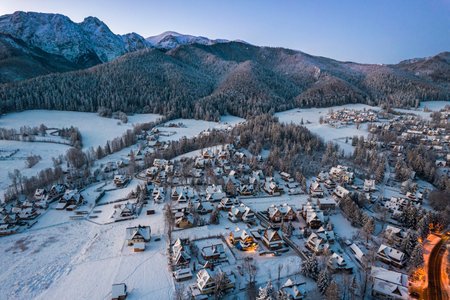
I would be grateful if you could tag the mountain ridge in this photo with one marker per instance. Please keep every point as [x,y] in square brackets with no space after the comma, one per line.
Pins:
[196,78]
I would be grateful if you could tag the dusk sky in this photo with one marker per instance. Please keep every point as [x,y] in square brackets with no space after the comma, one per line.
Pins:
[381,31]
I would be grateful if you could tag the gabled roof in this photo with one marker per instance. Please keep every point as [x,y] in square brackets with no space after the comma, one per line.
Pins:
[315,186]
[338,259]
[272,235]
[389,276]
[181,257]
[389,289]
[72,194]
[357,251]
[391,252]
[139,230]
[213,250]
[294,290]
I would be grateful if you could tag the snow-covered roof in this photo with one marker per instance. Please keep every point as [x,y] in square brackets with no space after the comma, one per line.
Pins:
[327,200]
[143,231]
[71,194]
[294,290]
[390,276]
[213,250]
[119,289]
[358,252]
[270,233]
[391,252]
[337,260]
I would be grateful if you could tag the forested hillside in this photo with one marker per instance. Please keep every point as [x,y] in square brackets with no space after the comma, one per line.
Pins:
[204,81]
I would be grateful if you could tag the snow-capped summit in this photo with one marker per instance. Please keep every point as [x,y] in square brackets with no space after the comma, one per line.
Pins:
[103,41]
[86,43]
[171,39]
[53,33]
[89,42]
[134,42]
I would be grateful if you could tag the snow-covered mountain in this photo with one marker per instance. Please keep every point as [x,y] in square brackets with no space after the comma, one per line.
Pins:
[87,43]
[171,39]
[105,44]
[134,42]
[18,61]
[53,33]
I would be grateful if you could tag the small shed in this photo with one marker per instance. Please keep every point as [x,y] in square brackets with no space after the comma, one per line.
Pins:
[119,291]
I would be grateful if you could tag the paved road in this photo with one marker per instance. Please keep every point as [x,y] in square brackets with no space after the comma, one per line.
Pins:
[434,273]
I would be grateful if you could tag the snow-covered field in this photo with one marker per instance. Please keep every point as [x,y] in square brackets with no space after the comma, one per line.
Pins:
[95,130]
[60,258]
[46,150]
[81,260]
[195,127]
[311,116]
[430,105]
[434,105]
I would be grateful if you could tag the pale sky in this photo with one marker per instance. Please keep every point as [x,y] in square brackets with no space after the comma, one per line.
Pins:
[379,31]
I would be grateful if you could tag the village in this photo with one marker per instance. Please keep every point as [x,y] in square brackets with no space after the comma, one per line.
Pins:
[230,226]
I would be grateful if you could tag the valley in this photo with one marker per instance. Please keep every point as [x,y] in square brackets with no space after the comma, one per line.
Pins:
[178,166]
[87,247]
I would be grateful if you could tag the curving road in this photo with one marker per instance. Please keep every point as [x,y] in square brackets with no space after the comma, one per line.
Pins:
[434,273]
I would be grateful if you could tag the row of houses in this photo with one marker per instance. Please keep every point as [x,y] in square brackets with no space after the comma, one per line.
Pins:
[412,130]
[320,241]
[70,200]
[396,205]
[350,116]
[313,216]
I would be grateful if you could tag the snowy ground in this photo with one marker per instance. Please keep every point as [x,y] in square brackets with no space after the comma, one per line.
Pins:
[80,259]
[195,127]
[434,105]
[262,204]
[311,116]
[430,105]
[45,150]
[95,130]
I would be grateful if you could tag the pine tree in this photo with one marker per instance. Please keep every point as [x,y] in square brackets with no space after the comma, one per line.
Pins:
[265,293]
[282,295]
[323,281]
[368,228]
[332,292]
[409,242]
[416,259]
[310,267]
[423,226]
[379,172]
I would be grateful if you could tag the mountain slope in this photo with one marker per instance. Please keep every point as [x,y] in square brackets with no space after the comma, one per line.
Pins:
[170,40]
[18,61]
[435,68]
[105,44]
[204,81]
[53,33]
